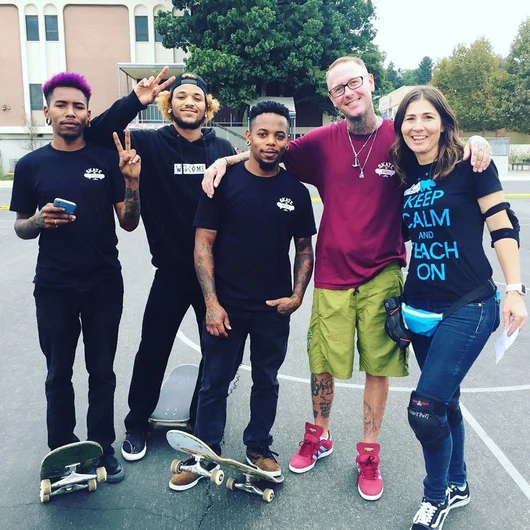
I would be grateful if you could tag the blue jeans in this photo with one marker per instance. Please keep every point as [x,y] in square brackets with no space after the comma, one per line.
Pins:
[269,332]
[444,360]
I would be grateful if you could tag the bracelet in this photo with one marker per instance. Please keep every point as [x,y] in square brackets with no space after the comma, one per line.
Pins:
[226,160]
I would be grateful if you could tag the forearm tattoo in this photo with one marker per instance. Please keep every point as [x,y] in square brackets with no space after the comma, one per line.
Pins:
[303,265]
[205,267]
[29,228]
[132,204]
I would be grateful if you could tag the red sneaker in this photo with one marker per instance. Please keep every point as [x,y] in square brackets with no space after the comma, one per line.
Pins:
[311,449]
[369,481]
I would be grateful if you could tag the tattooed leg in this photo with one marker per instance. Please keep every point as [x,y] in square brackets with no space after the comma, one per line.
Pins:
[322,392]
[375,394]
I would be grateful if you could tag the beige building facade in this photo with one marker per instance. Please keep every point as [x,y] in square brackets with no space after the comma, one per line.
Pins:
[112,43]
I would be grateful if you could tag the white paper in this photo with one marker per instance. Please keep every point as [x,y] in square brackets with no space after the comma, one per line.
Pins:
[503,343]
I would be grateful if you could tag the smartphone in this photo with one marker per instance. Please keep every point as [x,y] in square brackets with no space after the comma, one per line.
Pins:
[69,207]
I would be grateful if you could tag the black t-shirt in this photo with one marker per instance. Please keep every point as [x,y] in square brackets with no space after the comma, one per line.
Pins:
[80,254]
[256,219]
[446,228]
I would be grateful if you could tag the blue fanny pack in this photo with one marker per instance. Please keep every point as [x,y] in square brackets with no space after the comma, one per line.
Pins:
[425,322]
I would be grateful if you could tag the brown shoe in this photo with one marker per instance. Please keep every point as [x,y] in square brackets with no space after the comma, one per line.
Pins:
[187,479]
[264,460]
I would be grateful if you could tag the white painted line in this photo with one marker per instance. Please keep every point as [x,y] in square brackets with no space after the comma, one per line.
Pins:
[497,453]
[483,390]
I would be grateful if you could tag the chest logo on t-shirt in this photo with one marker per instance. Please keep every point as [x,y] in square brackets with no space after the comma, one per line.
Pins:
[385,169]
[94,174]
[285,204]
[422,185]
[189,169]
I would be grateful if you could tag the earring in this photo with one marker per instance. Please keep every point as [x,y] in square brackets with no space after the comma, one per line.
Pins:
[248,142]
[87,124]
[48,121]
[169,111]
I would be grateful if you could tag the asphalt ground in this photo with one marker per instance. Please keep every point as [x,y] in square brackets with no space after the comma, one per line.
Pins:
[495,405]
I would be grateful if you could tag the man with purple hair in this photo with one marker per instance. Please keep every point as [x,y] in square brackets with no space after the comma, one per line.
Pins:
[174,160]
[78,281]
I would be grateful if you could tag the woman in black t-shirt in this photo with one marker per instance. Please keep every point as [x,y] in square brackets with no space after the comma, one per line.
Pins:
[444,208]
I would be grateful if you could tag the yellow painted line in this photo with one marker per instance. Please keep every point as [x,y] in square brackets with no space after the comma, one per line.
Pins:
[507,195]
[4,207]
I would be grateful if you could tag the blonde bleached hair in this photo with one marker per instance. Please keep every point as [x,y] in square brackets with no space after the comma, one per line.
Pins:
[345,59]
[163,103]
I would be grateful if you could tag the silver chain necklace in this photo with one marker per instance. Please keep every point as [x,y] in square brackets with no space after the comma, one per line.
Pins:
[356,154]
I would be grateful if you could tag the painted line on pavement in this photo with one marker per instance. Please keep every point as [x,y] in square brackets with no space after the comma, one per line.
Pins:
[483,390]
[497,452]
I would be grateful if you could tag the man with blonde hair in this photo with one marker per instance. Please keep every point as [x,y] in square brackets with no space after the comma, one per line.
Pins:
[359,256]
[174,160]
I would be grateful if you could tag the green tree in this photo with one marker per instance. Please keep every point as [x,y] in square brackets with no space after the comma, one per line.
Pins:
[467,80]
[410,77]
[514,87]
[393,76]
[424,71]
[247,49]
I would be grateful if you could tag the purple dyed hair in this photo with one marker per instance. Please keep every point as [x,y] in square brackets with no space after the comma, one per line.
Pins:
[66,79]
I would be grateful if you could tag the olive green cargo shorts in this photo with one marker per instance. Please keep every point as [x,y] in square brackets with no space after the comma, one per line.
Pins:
[338,316]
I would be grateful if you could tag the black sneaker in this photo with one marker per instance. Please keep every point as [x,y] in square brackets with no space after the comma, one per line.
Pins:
[134,446]
[431,515]
[458,496]
[115,471]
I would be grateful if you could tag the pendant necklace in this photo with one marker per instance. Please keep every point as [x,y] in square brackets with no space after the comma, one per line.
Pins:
[356,154]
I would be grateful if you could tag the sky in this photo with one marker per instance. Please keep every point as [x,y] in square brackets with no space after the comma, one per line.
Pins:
[408,30]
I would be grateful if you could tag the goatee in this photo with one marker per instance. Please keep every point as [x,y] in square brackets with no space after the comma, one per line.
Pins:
[187,125]
[267,166]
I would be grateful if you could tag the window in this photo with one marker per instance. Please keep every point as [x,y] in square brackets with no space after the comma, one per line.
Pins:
[35,96]
[32,27]
[52,30]
[158,37]
[142,33]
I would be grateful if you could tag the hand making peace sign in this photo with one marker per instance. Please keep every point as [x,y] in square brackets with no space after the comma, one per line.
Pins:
[148,89]
[130,162]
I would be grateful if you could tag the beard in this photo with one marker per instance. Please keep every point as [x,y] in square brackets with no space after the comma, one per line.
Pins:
[71,137]
[267,166]
[189,125]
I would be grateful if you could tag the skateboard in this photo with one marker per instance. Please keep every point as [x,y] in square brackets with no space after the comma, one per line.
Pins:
[173,407]
[182,441]
[71,468]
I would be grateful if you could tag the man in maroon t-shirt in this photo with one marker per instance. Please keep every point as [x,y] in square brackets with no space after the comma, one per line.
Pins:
[359,256]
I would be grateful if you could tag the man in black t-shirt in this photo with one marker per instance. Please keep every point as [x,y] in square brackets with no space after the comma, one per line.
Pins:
[78,282]
[173,161]
[242,261]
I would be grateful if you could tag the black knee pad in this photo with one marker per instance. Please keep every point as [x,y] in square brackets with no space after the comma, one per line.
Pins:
[425,414]
[454,414]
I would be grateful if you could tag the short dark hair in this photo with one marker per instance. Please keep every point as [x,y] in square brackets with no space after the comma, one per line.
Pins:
[268,107]
[66,79]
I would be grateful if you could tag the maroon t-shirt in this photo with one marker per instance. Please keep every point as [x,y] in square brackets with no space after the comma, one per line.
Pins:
[360,230]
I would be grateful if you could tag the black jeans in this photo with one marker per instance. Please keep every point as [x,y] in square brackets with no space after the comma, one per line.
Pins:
[269,333]
[170,297]
[61,315]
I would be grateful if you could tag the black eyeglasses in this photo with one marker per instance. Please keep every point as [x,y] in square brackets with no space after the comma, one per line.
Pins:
[352,84]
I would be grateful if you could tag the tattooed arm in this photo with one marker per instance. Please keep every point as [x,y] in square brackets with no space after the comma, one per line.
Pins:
[128,211]
[29,226]
[217,322]
[303,268]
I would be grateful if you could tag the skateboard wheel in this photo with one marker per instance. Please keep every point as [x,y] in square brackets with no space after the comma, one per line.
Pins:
[217,477]
[175,466]
[44,497]
[230,483]
[92,484]
[101,474]
[46,486]
[268,495]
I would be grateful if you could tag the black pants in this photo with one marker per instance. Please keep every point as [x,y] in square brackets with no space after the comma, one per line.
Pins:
[269,333]
[170,297]
[61,315]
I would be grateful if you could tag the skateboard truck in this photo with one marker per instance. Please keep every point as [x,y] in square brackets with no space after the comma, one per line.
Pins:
[232,484]
[216,476]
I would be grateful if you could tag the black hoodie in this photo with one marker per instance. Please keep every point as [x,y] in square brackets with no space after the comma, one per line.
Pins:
[170,182]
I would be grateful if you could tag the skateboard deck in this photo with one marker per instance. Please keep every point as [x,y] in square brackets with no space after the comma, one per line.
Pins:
[173,407]
[71,468]
[187,443]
